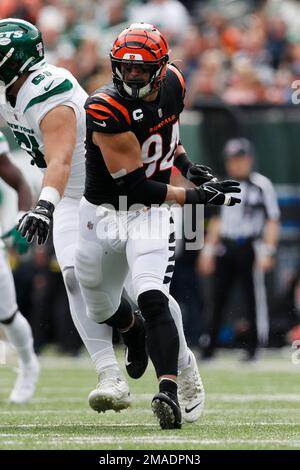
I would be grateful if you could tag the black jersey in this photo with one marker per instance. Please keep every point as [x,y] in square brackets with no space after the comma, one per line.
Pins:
[155,125]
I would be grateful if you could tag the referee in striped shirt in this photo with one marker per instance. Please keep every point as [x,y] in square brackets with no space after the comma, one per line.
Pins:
[240,246]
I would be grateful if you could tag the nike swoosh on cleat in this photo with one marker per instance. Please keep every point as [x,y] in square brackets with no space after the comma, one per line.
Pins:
[188,410]
[46,88]
[127,363]
[103,124]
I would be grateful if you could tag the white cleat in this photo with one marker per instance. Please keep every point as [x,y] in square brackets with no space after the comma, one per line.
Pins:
[191,393]
[111,393]
[26,382]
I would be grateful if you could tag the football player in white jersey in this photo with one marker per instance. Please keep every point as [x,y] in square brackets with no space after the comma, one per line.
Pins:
[43,106]
[16,327]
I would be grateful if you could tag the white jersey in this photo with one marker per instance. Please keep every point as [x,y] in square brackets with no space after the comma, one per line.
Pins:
[43,90]
[4,148]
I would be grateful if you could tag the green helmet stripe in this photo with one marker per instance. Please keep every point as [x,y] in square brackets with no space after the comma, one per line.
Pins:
[66,85]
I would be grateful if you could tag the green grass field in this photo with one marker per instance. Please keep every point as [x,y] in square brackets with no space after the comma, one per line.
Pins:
[253,406]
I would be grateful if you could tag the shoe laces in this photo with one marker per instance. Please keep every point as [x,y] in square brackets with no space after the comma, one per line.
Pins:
[190,384]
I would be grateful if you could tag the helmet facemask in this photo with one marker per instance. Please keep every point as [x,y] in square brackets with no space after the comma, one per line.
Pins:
[137,88]
[16,69]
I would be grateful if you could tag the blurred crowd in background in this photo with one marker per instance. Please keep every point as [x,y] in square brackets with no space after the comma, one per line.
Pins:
[240,52]
[247,51]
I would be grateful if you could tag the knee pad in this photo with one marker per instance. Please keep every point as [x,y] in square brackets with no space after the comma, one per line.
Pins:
[70,279]
[153,303]
[88,265]
[9,320]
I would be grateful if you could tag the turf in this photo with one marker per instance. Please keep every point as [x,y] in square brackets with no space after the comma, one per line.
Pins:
[253,406]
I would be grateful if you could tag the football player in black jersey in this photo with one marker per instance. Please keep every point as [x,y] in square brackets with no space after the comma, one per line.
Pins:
[132,142]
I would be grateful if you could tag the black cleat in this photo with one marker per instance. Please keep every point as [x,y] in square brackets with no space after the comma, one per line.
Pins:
[166,408]
[136,356]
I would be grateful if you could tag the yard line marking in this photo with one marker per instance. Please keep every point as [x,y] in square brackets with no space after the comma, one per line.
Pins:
[61,440]
[241,397]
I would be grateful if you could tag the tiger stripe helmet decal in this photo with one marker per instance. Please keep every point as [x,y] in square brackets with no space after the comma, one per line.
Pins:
[140,43]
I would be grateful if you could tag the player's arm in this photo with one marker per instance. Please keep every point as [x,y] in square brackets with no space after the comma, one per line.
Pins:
[122,156]
[58,129]
[197,174]
[11,174]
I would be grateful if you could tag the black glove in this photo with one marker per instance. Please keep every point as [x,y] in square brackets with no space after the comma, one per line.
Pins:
[199,174]
[37,222]
[214,193]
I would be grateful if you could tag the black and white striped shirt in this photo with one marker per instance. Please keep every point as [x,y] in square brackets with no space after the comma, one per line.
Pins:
[258,203]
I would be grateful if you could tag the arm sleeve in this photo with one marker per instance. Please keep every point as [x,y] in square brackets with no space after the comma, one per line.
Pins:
[139,190]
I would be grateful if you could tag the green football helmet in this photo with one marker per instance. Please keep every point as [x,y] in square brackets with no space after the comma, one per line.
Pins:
[21,50]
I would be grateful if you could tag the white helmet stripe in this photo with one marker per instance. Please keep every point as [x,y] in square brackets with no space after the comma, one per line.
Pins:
[18,74]
[7,56]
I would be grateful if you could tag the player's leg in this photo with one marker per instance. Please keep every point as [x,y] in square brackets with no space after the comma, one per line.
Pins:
[191,392]
[19,334]
[96,338]
[101,268]
[190,387]
[151,266]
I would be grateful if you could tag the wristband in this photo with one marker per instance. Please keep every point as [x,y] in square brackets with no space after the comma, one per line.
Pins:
[195,196]
[50,194]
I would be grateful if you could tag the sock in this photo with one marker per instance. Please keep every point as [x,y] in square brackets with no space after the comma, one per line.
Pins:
[19,334]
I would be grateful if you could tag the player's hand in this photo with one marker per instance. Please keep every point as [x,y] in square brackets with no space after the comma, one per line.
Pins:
[36,223]
[199,174]
[215,193]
